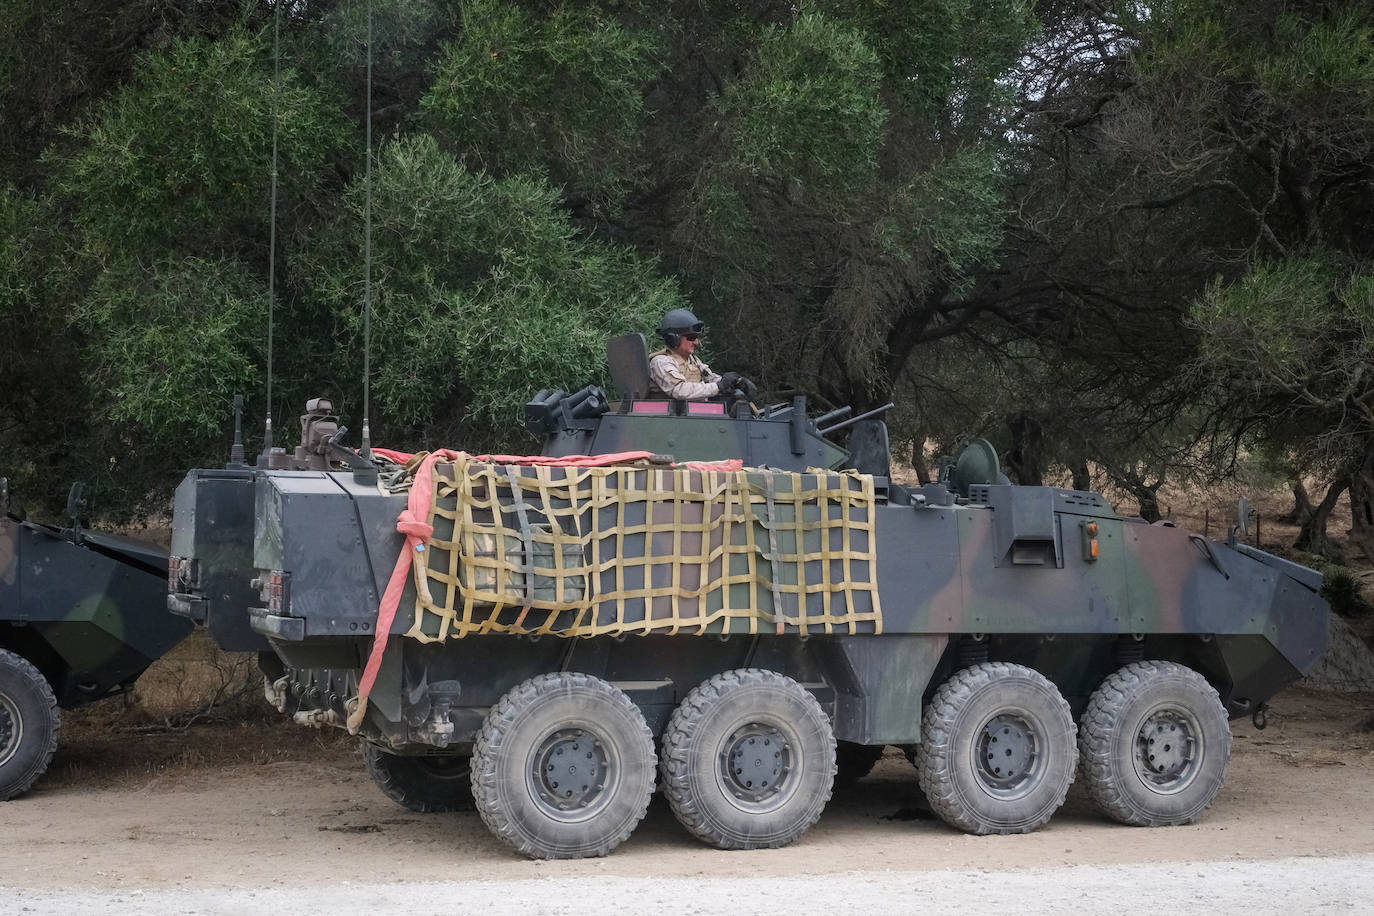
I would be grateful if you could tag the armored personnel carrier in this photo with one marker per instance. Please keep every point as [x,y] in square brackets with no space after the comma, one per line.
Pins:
[81,617]
[546,638]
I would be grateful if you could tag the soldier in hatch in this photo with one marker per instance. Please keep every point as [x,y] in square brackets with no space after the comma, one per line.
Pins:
[676,372]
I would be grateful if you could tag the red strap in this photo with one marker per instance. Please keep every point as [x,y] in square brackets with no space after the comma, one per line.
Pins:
[390,454]
[567,461]
[413,522]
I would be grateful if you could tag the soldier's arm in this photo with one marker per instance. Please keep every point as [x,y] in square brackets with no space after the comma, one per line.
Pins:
[706,374]
[669,379]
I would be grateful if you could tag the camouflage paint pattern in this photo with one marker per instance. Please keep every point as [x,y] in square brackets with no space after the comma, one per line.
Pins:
[1053,579]
[1009,570]
[87,609]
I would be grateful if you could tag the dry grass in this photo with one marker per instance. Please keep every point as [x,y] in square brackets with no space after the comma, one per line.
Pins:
[198,707]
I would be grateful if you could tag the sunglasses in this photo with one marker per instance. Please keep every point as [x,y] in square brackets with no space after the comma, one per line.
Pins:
[692,336]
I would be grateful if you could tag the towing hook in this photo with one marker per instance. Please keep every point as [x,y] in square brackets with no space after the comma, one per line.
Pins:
[1260,717]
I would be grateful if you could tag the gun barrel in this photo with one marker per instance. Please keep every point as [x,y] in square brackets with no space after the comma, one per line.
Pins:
[852,420]
[833,415]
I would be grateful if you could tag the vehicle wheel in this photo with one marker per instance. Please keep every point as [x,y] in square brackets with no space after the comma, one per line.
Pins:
[28,725]
[1154,744]
[748,760]
[563,767]
[855,761]
[997,752]
[428,784]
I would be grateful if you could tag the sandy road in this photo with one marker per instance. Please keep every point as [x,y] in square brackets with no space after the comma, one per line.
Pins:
[1293,830]
[1335,885]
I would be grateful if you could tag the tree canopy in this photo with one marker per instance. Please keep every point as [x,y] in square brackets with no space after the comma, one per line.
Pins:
[1136,237]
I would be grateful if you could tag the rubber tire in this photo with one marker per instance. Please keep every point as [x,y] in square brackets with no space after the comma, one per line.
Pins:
[29,699]
[855,761]
[511,735]
[951,727]
[1106,738]
[426,785]
[694,741]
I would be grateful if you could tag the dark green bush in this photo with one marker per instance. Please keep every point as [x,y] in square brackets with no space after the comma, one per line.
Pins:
[1342,590]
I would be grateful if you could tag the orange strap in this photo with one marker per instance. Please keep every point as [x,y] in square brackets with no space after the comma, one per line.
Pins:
[413,522]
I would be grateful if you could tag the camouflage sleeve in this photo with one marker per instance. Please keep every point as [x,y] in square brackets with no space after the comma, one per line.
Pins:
[707,375]
[670,380]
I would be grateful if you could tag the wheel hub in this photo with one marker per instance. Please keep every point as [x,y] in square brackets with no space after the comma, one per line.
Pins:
[570,770]
[1006,753]
[756,762]
[1167,749]
[11,728]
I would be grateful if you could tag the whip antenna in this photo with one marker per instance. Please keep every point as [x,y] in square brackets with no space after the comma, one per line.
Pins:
[366,450]
[265,459]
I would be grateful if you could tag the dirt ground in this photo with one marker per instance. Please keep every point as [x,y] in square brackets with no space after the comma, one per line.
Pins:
[268,805]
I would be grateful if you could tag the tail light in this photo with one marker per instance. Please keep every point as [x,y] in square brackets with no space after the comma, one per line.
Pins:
[1090,545]
[183,574]
[278,591]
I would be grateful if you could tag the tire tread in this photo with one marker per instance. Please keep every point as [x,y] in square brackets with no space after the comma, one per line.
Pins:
[29,677]
[937,735]
[677,736]
[485,760]
[413,795]
[1095,738]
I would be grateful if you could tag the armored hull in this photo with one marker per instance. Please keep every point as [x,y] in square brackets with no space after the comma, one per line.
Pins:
[81,617]
[999,635]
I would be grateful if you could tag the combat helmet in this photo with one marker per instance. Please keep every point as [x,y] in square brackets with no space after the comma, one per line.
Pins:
[676,323]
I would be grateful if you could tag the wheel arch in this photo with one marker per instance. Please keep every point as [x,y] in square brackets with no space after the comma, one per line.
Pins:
[1078,663]
[29,644]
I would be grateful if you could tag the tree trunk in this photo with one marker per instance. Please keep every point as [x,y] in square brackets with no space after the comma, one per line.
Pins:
[1134,481]
[1312,537]
[1302,505]
[1082,480]
[918,461]
[1362,509]
[1024,458]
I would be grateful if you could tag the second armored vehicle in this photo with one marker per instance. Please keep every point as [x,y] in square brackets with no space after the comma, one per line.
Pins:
[81,617]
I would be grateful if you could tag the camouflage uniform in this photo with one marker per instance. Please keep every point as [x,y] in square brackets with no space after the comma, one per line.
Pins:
[685,378]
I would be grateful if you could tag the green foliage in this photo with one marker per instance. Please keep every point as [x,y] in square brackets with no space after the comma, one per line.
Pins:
[1342,590]
[1296,324]
[19,220]
[398,27]
[850,183]
[170,344]
[1301,55]
[564,92]
[944,61]
[180,157]
[40,385]
[1319,57]
[483,291]
[956,209]
[807,107]
[927,198]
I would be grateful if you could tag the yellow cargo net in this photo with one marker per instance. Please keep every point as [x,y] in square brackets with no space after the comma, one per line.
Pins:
[593,551]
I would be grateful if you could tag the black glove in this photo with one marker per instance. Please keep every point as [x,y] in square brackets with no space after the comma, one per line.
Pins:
[727,383]
[751,391]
